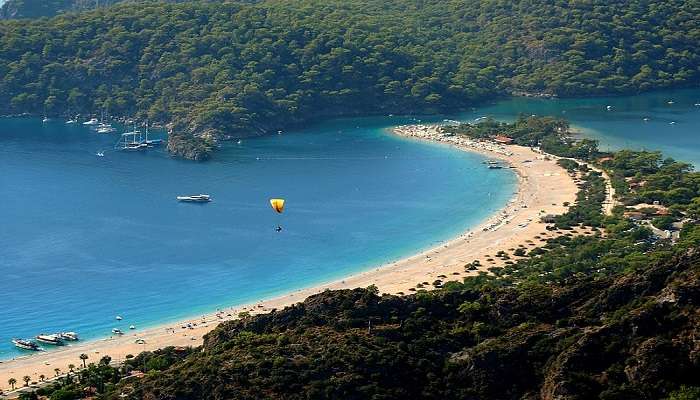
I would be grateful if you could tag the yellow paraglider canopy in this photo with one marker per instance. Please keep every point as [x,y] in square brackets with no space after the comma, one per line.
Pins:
[277,205]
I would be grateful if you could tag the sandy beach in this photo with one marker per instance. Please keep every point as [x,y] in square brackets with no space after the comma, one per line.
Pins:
[543,189]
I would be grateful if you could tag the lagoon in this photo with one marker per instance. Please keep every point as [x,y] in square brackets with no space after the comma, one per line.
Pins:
[86,238]
[672,125]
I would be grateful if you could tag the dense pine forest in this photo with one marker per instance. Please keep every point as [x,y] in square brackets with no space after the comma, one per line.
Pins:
[46,8]
[213,69]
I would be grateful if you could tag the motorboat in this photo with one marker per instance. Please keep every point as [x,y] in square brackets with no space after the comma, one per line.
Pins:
[132,327]
[69,336]
[26,344]
[117,331]
[50,339]
[45,120]
[105,128]
[196,198]
[92,121]
[118,318]
[72,121]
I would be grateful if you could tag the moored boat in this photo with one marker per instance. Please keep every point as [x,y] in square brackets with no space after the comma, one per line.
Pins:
[50,339]
[26,344]
[92,121]
[196,198]
[70,336]
[105,128]
[117,331]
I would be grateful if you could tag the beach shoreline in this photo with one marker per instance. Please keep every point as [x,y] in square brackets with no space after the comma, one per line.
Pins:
[543,188]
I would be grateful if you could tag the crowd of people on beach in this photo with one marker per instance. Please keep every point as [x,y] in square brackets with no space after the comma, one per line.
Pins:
[436,133]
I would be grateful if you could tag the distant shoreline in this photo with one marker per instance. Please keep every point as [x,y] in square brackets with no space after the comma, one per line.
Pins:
[543,186]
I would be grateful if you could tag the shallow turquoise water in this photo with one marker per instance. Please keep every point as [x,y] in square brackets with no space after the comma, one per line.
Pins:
[85,238]
[623,126]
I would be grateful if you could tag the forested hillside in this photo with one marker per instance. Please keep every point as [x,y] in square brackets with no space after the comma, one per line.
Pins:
[216,69]
[629,337]
[46,8]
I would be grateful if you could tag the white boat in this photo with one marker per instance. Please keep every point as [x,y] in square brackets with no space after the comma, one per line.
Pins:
[669,102]
[92,121]
[50,339]
[118,318]
[70,336]
[132,327]
[72,121]
[100,154]
[608,108]
[45,120]
[151,142]
[26,344]
[196,198]
[105,128]
[131,141]
[117,331]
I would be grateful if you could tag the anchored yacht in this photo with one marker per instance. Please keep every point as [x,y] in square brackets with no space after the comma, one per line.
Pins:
[70,336]
[50,339]
[26,344]
[196,198]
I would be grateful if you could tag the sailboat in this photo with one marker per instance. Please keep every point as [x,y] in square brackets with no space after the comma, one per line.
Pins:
[129,142]
[151,142]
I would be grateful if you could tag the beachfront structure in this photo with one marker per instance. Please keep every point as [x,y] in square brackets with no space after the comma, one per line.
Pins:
[503,139]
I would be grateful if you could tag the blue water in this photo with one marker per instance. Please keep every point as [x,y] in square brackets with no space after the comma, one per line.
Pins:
[85,238]
[623,126]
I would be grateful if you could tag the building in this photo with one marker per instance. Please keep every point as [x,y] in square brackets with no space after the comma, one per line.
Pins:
[503,139]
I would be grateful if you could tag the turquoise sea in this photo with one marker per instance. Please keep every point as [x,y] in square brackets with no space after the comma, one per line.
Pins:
[672,125]
[86,238]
